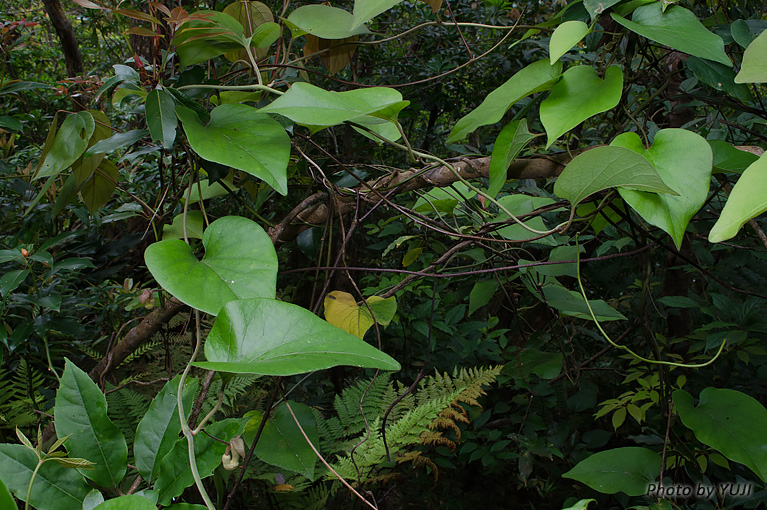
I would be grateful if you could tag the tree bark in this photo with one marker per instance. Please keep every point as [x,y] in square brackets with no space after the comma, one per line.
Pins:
[67,37]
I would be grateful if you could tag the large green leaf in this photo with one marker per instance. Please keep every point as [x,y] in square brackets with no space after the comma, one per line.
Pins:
[69,143]
[747,199]
[325,22]
[269,337]
[158,430]
[626,470]
[243,138]
[6,500]
[730,421]
[175,474]
[56,487]
[239,262]
[312,106]
[161,117]
[607,167]
[510,142]
[683,160]
[365,10]
[127,502]
[81,414]
[566,35]
[754,68]
[580,94]
[282,443]
[677,28]
[536,77]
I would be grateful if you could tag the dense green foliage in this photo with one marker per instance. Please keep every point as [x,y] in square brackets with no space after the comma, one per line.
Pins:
[384,254]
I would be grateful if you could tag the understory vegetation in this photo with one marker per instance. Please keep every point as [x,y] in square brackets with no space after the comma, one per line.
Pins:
[383,254]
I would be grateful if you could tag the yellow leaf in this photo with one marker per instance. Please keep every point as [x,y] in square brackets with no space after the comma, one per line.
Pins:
[342,311]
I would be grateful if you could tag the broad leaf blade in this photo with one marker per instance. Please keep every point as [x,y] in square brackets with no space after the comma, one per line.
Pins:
[325,22]
[730,421]
[127,502]
[6,500]
[282,443]
[159,429]
[365,10]
[69,144]
[242,138]
[511,140]
[747,200]
[536,77]
[161,117]
[55,487]
[683,160]
[269,337]
[607,167]
[99,188]
[754,68]
[175,474]
[81,414]
[312,106]
[677,28]
[626,470]
[566,35]
[580,94]
[239,262]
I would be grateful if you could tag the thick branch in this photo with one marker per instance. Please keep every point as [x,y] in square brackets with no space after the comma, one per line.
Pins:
[67,37]
[314,209]
[148,326]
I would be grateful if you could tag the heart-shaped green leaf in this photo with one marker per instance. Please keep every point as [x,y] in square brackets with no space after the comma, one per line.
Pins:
[754,68]
[536,77]
[312,106]
[269,337]
[239,262]
[566,35]
[282,443]
[81,414]
[730,421]
[626,470]
[325,22]
[683,160]
[678,28]
[607,167]
[580,94]
[747,200]
[241,137]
